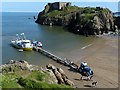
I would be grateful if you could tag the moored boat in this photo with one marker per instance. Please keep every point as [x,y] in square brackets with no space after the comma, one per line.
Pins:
[22,43]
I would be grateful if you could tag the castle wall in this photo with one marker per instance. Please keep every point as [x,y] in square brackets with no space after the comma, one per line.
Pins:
[59,5]
[55,5]
[63,4]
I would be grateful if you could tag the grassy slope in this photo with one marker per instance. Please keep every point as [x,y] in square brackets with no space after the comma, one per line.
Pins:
[86,13]
[35,79]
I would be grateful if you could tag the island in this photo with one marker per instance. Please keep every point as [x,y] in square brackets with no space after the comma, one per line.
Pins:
[80,20]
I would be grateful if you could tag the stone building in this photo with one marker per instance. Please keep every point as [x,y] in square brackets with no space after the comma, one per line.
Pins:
[59,5]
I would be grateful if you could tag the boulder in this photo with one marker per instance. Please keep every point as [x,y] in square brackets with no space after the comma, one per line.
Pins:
[11,62]
[52,77]
[58,76]
[61,71]
[50,66]
[68,82]
[63,75]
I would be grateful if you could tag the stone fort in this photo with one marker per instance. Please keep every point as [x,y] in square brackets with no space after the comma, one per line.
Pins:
[59,5]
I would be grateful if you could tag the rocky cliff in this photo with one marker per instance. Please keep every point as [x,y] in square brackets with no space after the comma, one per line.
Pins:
[117,21]
[85,21]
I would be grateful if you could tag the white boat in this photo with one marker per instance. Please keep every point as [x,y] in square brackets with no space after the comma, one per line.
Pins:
[23,43]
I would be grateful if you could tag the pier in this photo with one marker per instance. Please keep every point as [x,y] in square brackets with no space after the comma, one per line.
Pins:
[63,61]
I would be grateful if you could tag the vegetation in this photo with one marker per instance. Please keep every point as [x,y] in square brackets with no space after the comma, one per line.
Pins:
[79,20]
[86,13]
[66,11]
[34,79]
[28,83]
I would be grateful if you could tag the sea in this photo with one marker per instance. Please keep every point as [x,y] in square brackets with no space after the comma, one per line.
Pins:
[55,39]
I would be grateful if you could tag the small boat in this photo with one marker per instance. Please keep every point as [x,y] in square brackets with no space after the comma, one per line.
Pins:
[37,43]
[20,50]
[23,43]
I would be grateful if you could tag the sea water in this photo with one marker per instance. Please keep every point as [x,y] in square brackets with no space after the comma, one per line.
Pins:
[55,39]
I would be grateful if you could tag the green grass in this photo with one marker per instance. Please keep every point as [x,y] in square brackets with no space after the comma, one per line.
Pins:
[53,13]
[34,79]
[9,81]
[37,75]
[87,17]
[28,83]
[58,13]
[89,11]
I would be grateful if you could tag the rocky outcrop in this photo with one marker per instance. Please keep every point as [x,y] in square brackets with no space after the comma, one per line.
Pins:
[60,75]
[117,21]
[14,66]
[52,74]
[79,20]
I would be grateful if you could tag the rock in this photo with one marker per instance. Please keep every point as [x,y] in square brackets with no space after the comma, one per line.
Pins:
[11,62]
[52,76]
[50,66]
[116,28]
[15,66]
[63,75]
[117,21]
[25,63]
[58,76]
[61,71]
[68,82]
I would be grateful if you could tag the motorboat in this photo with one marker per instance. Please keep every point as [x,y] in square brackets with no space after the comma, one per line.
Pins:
[22,43]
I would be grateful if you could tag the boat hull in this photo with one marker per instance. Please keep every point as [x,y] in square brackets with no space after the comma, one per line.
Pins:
[27,49]
[18,47]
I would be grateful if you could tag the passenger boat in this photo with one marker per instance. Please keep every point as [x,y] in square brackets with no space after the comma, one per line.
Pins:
[22,43]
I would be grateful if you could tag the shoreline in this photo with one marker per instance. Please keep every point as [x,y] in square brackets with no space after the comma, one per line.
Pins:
[102,57]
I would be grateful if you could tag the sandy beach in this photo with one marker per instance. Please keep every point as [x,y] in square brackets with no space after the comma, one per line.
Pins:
[102,57]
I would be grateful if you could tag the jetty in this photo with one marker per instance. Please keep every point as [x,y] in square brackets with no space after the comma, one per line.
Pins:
[50,55]
[63,61]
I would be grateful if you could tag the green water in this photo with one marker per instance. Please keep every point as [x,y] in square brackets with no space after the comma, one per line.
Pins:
[55,39]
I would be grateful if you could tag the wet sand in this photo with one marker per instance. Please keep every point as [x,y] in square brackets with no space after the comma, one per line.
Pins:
[102,57]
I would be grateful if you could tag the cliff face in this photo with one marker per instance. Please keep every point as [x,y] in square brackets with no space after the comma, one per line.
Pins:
[117,21]
[85,21]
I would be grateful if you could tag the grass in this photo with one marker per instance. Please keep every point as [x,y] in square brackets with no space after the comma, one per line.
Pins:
[39,76]
[89,11]
[34,79]
[58,13]
[28,83]
[87,17]
[9,81]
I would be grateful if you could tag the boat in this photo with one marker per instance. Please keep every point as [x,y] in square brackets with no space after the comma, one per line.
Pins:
[37,43]
[22,43]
